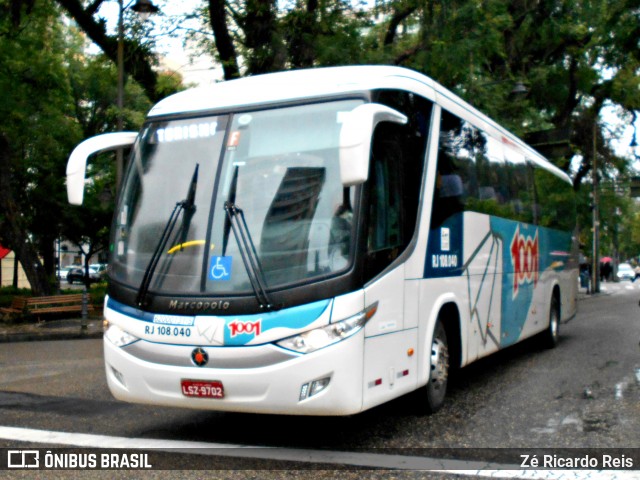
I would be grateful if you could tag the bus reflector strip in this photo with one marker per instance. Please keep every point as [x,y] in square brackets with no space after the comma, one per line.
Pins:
[378,381]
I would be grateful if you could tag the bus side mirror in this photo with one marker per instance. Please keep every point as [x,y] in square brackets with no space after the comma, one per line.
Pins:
[77,163]
[355,139]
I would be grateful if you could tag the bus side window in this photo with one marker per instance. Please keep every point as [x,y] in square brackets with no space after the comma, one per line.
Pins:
[494,196]
[385,195]
[395,179]
[495,176]
[555,201]
[455,175]
[520,186]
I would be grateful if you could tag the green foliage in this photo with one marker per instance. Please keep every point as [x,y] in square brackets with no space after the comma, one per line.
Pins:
[7,294]
[38,130]
[94,80]
[169,83]
[54,95]
[629,234]
[575,58]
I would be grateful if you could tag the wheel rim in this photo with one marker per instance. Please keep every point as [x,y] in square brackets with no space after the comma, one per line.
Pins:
[439,363]
[553,323]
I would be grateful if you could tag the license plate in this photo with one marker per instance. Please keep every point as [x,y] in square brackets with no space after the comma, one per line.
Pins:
[202,389]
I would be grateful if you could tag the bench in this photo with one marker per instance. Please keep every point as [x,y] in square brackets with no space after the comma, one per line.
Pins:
[18,306]
[39,306]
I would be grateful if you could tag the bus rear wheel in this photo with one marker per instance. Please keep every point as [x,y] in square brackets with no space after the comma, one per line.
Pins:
[434,392]
[551,334]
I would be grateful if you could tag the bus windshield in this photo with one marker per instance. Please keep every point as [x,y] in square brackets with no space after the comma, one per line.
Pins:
[278,169]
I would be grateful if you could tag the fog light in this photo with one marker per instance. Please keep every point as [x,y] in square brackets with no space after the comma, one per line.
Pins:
[310,389]
[119,377]
[319,385]
[304,391]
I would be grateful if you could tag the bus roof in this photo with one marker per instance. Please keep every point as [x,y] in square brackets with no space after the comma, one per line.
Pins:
[294,85]
[283,86]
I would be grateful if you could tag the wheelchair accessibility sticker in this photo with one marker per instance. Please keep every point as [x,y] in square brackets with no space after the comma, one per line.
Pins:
[220,268]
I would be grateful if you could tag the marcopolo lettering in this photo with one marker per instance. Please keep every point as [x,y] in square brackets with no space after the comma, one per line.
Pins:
[197,305]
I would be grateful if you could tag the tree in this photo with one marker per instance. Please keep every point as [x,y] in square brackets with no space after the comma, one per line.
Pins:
[575,57]
[268,38]
[630,236]
[139,59]
[45,78]
[88,226]
[93,85]
[35,135]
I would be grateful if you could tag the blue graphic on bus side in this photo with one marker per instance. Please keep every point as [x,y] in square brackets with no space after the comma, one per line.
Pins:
[527,252]
[444,251]
[521,269]
[220,268]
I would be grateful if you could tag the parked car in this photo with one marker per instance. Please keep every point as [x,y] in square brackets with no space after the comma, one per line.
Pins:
[77,275]
[625,272]
[101,268]
[62,272]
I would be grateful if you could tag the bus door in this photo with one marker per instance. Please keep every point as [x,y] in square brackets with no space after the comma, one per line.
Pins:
[388,370]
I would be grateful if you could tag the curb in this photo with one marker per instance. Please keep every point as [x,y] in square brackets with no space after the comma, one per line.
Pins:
[34,337]
[60,330]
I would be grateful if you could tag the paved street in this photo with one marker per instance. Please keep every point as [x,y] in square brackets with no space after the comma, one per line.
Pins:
[585,393]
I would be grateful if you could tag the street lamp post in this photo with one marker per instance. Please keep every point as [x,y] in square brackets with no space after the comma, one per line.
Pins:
[144,8]
[595,270]
[120,94]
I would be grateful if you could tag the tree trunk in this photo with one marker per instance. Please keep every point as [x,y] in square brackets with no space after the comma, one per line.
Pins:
[136,62]
[224,43]
[46,249]
[260,26]
[13,233]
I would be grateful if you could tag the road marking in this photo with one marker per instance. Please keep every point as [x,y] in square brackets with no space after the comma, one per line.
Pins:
[371,460]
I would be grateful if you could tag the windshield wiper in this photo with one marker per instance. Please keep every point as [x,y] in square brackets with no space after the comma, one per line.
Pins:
[188,207]
[238,224]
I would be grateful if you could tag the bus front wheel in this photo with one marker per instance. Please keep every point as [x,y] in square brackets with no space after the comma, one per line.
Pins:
[434,392]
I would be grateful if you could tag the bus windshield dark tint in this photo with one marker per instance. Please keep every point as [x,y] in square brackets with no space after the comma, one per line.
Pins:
[279,166]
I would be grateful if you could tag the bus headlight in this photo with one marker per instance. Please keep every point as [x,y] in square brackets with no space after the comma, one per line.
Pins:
[318,338]
[118,336]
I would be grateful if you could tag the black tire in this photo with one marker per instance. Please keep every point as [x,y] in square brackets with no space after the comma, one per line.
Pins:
[70,280]
[552,333]
[432,395]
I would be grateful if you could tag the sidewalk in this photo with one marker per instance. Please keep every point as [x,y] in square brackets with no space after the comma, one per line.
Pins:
[68,329]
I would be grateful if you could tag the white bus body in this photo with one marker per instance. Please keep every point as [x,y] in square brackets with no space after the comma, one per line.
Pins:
[339,237]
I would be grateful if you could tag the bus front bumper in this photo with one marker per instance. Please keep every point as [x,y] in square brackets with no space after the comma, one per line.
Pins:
[262,379]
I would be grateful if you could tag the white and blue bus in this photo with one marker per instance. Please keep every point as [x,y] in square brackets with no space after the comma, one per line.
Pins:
[319,242]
